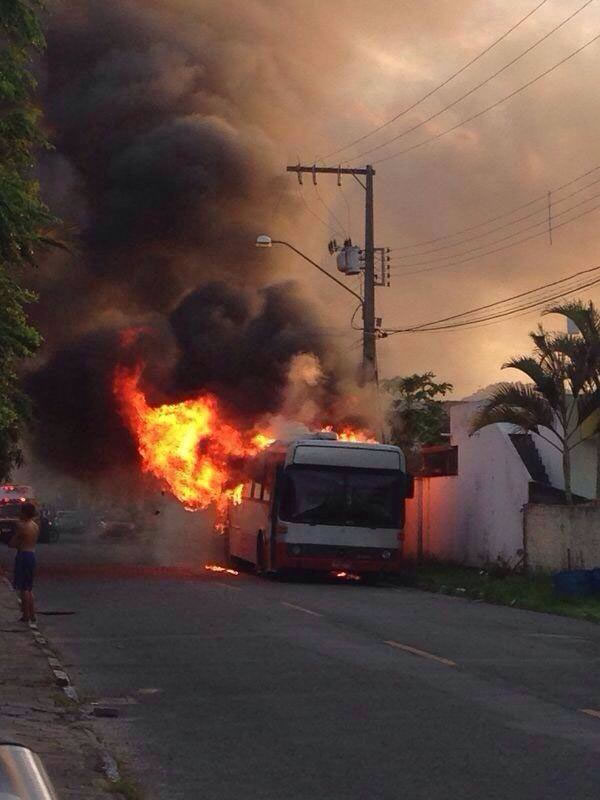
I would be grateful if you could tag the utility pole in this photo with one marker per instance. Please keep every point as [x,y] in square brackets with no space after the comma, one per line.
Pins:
[369,363]
[369,347]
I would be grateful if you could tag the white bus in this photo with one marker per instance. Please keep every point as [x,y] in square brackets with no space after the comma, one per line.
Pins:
[318,503]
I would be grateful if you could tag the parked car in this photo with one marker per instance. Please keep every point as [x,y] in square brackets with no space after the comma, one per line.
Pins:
[9,516]
[71,521]
[118,527]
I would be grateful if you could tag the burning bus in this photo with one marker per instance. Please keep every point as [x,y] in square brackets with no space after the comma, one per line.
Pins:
[321,503]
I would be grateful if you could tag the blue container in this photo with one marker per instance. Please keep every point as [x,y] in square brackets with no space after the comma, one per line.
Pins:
[595,580]
[574,582]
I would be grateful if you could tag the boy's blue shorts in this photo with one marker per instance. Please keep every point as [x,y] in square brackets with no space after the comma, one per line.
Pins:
[24,571]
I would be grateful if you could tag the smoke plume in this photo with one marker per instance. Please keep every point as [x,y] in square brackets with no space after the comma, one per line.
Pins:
[166,168]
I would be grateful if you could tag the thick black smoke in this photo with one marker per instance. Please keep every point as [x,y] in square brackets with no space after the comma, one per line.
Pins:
[162,166]
[243,358]
[78,430]
[166,177]
[234,343]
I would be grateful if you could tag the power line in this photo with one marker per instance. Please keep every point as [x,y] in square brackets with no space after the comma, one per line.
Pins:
[535,304]
[477,86]
[488,108]
[499,216]
[520,295]
[502,227]
[348,212]
[327,225]
[498,249]
[426,326]
[501,239]
[517,314]
[330,211]
[439,86]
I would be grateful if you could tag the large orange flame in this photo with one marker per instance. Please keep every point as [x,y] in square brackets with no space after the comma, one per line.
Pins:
[348,434]
[186,445]
[190,447]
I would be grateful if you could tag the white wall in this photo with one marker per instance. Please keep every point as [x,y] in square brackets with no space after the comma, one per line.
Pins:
[494,486]
[476,515]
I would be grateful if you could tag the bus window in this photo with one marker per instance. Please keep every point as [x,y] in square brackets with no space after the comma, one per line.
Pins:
[256,490]
[247,492]
[266,496]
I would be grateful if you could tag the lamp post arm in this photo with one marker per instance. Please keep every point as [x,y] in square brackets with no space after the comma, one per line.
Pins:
[324,271]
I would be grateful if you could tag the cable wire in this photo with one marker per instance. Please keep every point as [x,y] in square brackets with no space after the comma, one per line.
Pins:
[477,86]
[439,86]
[488,108]
[454,317]
[489,221]
[519,296]
[334,231]
[423,329]
[502,238]
[498,249]
[506,225]
[330,211]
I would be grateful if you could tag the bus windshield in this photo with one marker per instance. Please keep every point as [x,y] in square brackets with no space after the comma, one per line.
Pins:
[339,496]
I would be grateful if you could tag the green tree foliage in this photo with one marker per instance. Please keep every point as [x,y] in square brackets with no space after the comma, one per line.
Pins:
[25,221]
[560,398]
[417,416]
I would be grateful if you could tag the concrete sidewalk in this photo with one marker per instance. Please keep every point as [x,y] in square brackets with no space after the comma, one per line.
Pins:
[35,711]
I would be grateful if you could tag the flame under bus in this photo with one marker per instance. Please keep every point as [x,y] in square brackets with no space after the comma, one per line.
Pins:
[321,504]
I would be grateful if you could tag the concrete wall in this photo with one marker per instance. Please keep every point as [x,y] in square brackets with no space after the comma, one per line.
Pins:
[476,515]
[552,532]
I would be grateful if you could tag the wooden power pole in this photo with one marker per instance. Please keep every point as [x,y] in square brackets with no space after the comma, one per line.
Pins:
[369,363]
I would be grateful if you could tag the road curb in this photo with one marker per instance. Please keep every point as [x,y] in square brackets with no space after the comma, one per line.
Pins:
[63,680]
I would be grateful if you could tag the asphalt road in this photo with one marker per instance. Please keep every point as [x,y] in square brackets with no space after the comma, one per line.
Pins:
[233,687]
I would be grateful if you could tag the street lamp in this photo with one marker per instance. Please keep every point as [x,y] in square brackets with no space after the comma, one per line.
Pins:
[265,241]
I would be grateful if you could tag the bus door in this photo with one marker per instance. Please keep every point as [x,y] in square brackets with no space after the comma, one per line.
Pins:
[276,490]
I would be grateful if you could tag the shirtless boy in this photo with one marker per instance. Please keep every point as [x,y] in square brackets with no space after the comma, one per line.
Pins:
[25,540]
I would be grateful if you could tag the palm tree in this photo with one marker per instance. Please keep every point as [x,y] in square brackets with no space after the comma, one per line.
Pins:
[587,320]
[556,402]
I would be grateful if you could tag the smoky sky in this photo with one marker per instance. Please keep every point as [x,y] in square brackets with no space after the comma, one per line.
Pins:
[166,185]
[162,169]
[172,122]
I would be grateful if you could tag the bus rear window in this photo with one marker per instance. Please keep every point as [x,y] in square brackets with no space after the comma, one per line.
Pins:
[357,498]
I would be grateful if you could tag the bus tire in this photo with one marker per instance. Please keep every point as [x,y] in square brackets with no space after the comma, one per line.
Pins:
[260,554]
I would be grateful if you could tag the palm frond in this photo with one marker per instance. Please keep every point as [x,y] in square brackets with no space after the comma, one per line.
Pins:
[516,403]
[543,380]
[588,404]
[585,317]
